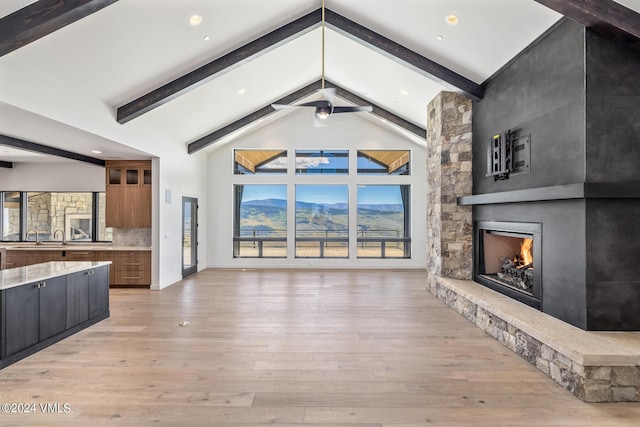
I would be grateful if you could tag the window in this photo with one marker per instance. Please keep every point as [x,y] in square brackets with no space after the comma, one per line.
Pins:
[322,162]
[260,225]
[321,190]
[322,221]
[11,202]
[383,221]
[56,216]
[253,162]
[389,162]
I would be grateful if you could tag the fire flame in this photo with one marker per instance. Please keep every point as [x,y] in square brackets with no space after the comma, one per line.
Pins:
[526,251]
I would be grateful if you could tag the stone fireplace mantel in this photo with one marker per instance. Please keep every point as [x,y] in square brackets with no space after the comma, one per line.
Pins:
[594,366]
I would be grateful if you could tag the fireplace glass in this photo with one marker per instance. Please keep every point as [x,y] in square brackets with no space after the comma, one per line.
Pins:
[507,259]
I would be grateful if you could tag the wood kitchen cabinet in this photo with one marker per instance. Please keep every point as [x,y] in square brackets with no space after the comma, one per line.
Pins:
[128,194]
[128,268]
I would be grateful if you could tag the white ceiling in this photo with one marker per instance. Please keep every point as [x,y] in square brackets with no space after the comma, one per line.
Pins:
[63,89]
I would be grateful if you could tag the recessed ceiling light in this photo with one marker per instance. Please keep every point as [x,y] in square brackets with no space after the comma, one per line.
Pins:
[96,151]
[439,37]
[206,38]
[404,92]
[241,91]
[195,20]
[452,19]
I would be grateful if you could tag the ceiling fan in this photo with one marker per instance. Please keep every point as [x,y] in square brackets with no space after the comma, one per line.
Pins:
[324,107]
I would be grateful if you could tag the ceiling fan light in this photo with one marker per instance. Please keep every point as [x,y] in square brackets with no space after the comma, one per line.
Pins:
[323,112]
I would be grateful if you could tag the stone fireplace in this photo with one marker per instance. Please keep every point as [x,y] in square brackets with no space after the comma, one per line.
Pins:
[571,100]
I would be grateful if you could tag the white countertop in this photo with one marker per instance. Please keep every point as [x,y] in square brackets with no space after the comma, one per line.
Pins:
[69,247]
[13,277]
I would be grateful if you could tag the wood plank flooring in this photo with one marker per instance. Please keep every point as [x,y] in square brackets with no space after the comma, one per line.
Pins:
[290,348]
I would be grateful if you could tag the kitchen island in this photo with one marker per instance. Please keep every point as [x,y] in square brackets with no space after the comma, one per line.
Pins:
[41,304]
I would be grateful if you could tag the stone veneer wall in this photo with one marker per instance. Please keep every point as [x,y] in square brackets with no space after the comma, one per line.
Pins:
[603,381]
[449,175]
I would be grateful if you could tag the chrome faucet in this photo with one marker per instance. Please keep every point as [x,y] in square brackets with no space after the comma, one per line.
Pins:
[56,232]
[37,234]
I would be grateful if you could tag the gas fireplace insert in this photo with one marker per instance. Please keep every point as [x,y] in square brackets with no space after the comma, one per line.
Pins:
[508,259]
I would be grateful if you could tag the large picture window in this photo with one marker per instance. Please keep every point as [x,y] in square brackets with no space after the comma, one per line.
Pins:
[255,162]
[54,216]
[383,221]
[322,221]
[332,213]
[322,162]
[260,225]
[387,162]
[11,215]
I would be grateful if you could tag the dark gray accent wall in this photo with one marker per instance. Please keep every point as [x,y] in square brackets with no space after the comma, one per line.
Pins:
[540,93]
[563,252]
[612,111]
[577,93]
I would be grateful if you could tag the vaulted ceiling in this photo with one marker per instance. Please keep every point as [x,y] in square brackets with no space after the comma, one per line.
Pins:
[122,76]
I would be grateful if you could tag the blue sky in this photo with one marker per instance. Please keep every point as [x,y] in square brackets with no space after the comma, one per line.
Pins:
[367,194]
[262,192]
[379,194]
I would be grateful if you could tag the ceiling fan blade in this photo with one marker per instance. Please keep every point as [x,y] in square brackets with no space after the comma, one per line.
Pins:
[280,106]
[329,94]
[321,103]
[352,109]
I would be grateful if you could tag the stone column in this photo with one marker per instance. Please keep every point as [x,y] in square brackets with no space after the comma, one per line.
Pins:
[449,226]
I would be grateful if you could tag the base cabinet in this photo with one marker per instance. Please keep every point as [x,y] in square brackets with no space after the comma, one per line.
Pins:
[129,268]
[36,315]
[34,312]
[21,317]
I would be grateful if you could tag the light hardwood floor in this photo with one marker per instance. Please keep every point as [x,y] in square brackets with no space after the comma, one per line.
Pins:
[328,348]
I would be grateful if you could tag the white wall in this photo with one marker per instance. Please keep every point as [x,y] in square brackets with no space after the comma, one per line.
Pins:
[296,130]
[183,175]
[65,176]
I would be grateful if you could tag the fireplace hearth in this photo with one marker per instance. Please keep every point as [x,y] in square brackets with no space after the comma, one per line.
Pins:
[507,259]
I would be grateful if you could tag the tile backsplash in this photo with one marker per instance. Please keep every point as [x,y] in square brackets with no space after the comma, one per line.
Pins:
[131,237]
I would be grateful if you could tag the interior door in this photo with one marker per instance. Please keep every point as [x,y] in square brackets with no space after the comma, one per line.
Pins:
[189,236]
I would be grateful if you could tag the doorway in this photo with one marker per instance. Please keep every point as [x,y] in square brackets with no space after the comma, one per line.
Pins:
[189,236]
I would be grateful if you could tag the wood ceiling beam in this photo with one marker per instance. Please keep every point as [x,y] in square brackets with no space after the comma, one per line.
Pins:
[270,41]
[396,52]
[45,149]
[217,67]
[607,17]
[41,18]
[209,139]
[294,97]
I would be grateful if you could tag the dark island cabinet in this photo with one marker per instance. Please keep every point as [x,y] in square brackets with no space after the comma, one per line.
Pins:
[98,291]
[36,315]
[53,307]
[21,318]
[34,312]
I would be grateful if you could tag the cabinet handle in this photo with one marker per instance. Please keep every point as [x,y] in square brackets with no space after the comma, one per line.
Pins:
[131,277]
[79,253]
[10,263]
[131,263]
[41,285]
[44,284]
